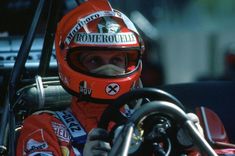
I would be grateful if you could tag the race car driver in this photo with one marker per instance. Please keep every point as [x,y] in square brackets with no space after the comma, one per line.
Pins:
[98,51]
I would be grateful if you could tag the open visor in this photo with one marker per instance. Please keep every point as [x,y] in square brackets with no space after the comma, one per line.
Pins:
[103,62]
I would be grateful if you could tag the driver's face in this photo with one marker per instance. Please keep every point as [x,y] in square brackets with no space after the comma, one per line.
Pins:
[93,60]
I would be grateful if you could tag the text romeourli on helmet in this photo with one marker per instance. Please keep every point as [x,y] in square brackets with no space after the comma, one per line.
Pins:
[94,29]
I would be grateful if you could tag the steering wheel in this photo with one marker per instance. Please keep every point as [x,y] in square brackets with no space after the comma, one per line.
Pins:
[164,102]
[112,112]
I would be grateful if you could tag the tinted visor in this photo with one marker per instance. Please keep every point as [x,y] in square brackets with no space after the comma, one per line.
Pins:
[108,62]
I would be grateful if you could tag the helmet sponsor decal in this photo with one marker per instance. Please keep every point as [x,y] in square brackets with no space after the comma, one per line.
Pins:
[35,141]
[84,89]
[82,22]
[61,132]
[108,25]
[112,88]
[105,39]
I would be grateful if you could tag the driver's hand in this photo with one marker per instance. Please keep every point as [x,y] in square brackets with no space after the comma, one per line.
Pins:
[194,118]
[97,144]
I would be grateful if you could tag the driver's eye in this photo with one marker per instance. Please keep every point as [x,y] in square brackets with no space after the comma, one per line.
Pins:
[92,62]
[118,61]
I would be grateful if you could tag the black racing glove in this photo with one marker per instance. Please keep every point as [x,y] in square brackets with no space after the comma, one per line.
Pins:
[97,144]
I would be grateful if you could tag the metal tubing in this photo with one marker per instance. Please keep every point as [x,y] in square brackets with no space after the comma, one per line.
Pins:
[123,141]
[54,8]
[199,139]
[3,130]
[23,52]
[126,144]
[12,147]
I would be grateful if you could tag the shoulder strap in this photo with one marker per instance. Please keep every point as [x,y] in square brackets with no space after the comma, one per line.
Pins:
[75,129]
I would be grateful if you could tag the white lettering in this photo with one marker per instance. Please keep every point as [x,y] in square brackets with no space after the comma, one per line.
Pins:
[105,39]
[85,91]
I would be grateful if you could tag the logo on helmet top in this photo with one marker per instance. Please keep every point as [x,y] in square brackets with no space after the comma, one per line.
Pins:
[112,88]
[108,25]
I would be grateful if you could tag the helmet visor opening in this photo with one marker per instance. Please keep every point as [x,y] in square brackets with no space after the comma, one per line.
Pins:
[108,62]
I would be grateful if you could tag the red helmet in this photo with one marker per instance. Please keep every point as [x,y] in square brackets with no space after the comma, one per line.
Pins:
[91,28]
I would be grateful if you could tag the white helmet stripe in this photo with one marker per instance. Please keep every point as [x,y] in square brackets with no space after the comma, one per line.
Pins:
[89,18]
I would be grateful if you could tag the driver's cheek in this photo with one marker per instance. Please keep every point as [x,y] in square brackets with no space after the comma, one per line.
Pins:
[119,62]
[93,64]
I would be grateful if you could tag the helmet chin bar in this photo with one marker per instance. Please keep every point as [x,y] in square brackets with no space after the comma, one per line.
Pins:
[81,97]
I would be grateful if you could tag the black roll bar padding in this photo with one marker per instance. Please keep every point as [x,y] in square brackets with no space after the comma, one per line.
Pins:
[53,17]
[24,52]
[169,109]
[11,132]
[3,129]
[151,93]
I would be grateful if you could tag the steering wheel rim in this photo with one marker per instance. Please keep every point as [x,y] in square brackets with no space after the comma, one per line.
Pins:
[112,112]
